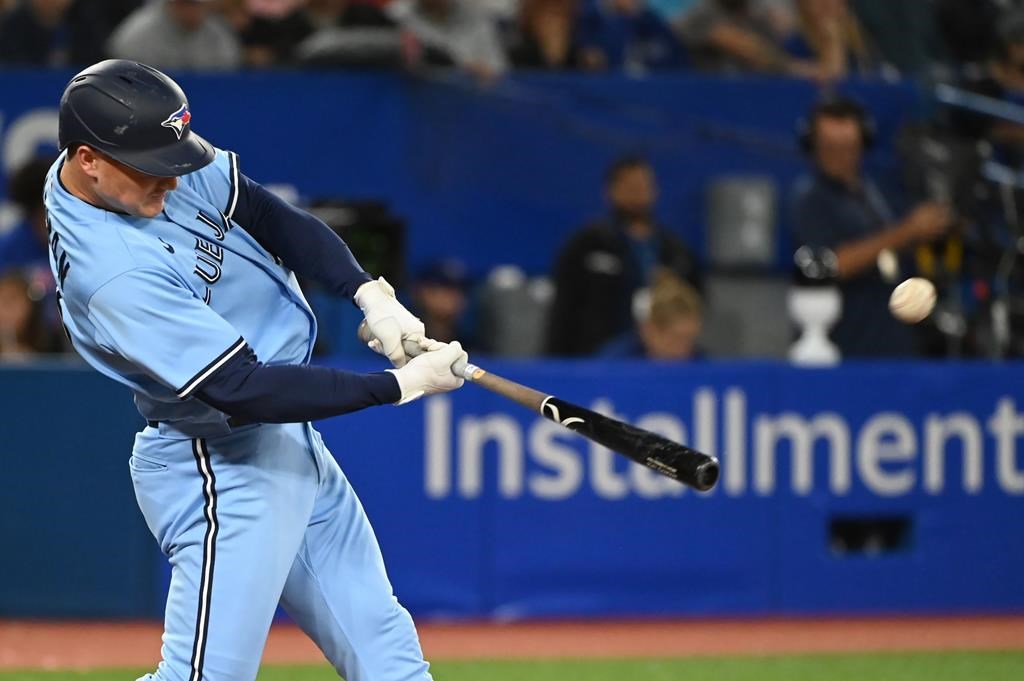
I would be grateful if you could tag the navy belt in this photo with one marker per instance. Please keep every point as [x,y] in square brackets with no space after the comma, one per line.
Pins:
[232,421]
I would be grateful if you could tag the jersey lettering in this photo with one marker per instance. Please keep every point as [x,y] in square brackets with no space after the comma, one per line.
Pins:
[60,256]
[209,259]
[218,231]
[63,266]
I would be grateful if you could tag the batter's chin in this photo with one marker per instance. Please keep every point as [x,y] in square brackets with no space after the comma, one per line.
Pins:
[152,209]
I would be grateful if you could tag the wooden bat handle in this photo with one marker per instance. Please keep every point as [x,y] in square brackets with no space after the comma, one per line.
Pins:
[528,397]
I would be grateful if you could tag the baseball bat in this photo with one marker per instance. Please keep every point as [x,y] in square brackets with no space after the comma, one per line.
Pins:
[671,459]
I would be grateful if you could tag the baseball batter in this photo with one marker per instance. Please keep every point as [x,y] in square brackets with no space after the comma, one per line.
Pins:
[176,277]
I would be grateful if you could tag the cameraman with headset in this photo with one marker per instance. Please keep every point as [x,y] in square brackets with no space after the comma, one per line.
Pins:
[838,210]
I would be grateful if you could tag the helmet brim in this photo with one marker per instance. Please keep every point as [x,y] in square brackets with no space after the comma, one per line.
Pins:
[185,156]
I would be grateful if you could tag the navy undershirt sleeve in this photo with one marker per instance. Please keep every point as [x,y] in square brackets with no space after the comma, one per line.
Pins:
[252,392]
[303,242]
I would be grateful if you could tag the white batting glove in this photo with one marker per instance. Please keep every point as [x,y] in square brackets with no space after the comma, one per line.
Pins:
[393,330]
[431,372]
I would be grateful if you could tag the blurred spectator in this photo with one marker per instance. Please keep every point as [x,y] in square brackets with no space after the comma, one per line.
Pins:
[23,331]
[1003,79]
[440,300]
[602,266]
[268,30]
[829,34]
[333,13]
[177,34]
[904,32]
[36,32]
[668,321]
[670,10]
[454,32]
[56,32]
[781,14]
[968,29]
[276,32]
[349,33]
[740,35]
[25,245]
[501,9]
[546,35]
[627,35]
[838,209]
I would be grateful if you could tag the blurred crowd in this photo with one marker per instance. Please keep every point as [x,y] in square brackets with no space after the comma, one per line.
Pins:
[820,40]
[622,285]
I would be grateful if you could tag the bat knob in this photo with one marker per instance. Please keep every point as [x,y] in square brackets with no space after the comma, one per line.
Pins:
[470,372]
[706,474]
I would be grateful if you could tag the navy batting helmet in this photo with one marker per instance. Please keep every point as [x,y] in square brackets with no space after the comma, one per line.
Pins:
[134,114]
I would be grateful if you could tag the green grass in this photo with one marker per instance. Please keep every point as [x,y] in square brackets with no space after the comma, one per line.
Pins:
[1008,666]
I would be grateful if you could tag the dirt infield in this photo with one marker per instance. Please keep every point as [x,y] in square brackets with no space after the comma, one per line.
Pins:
[48,645]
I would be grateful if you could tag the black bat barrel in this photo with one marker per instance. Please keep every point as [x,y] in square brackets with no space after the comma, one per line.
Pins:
[671,459]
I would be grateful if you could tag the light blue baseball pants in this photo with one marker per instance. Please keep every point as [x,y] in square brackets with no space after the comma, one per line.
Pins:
[255,517]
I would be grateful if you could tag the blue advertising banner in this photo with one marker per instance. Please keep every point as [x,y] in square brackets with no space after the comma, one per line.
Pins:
[483,493]
[867,488]
[72,541]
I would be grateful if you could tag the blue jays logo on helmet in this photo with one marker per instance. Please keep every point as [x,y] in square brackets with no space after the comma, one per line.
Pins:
[178,120]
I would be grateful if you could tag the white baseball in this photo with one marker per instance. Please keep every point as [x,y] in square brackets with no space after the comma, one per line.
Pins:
[913,300]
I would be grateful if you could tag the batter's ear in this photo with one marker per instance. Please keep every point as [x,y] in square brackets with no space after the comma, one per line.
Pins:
[85,158]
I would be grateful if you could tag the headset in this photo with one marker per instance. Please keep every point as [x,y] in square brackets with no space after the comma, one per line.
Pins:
[839,106]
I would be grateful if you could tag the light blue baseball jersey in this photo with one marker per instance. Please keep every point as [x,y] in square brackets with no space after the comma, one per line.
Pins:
[159,304]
